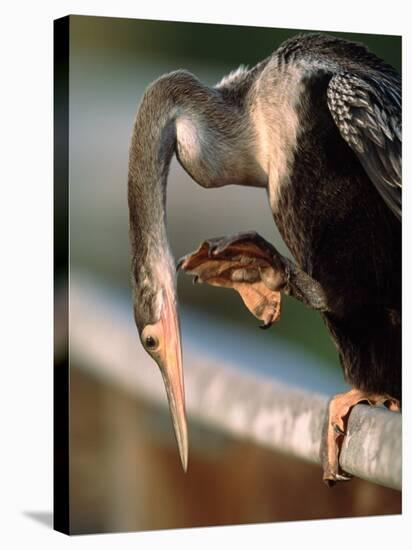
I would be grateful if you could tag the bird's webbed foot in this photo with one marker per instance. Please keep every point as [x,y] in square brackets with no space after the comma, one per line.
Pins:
[335,428]
[245,262]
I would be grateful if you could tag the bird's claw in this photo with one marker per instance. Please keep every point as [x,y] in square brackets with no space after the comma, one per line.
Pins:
[335,429]
[342,477]
[331,479]
[180,262]
[243,262]
[338,430]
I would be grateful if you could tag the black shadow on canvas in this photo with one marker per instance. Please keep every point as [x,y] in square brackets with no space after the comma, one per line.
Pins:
[61,238]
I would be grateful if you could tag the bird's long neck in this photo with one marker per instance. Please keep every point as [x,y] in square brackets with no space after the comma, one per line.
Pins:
[151,150]
[179,114]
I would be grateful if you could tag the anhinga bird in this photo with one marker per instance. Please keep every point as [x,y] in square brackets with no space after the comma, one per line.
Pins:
[318,124]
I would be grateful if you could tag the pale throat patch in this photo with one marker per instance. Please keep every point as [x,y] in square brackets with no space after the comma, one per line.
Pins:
[188,138]
[276,126]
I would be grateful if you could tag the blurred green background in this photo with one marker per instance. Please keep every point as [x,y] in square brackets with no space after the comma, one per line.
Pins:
[112,61]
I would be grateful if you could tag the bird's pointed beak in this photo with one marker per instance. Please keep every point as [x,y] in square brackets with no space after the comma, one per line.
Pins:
[170,363]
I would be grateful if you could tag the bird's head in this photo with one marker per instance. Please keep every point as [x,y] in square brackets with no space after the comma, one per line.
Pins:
[152,146]
[157,321]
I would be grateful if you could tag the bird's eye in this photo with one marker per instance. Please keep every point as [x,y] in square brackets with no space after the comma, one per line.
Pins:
[151,342]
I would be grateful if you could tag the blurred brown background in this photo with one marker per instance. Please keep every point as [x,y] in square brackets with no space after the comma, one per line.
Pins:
[124,467]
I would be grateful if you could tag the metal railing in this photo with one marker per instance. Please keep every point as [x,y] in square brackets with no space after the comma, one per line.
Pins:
[239,403]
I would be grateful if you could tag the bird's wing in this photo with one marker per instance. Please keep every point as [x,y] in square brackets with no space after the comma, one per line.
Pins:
[367,111]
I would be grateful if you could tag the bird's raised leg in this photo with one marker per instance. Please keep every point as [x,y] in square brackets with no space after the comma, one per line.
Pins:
[249,264]
[335,427]
[252,266]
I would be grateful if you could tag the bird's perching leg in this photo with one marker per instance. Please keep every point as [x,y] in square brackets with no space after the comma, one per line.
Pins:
[335,428]
[249,264]
[252,266]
